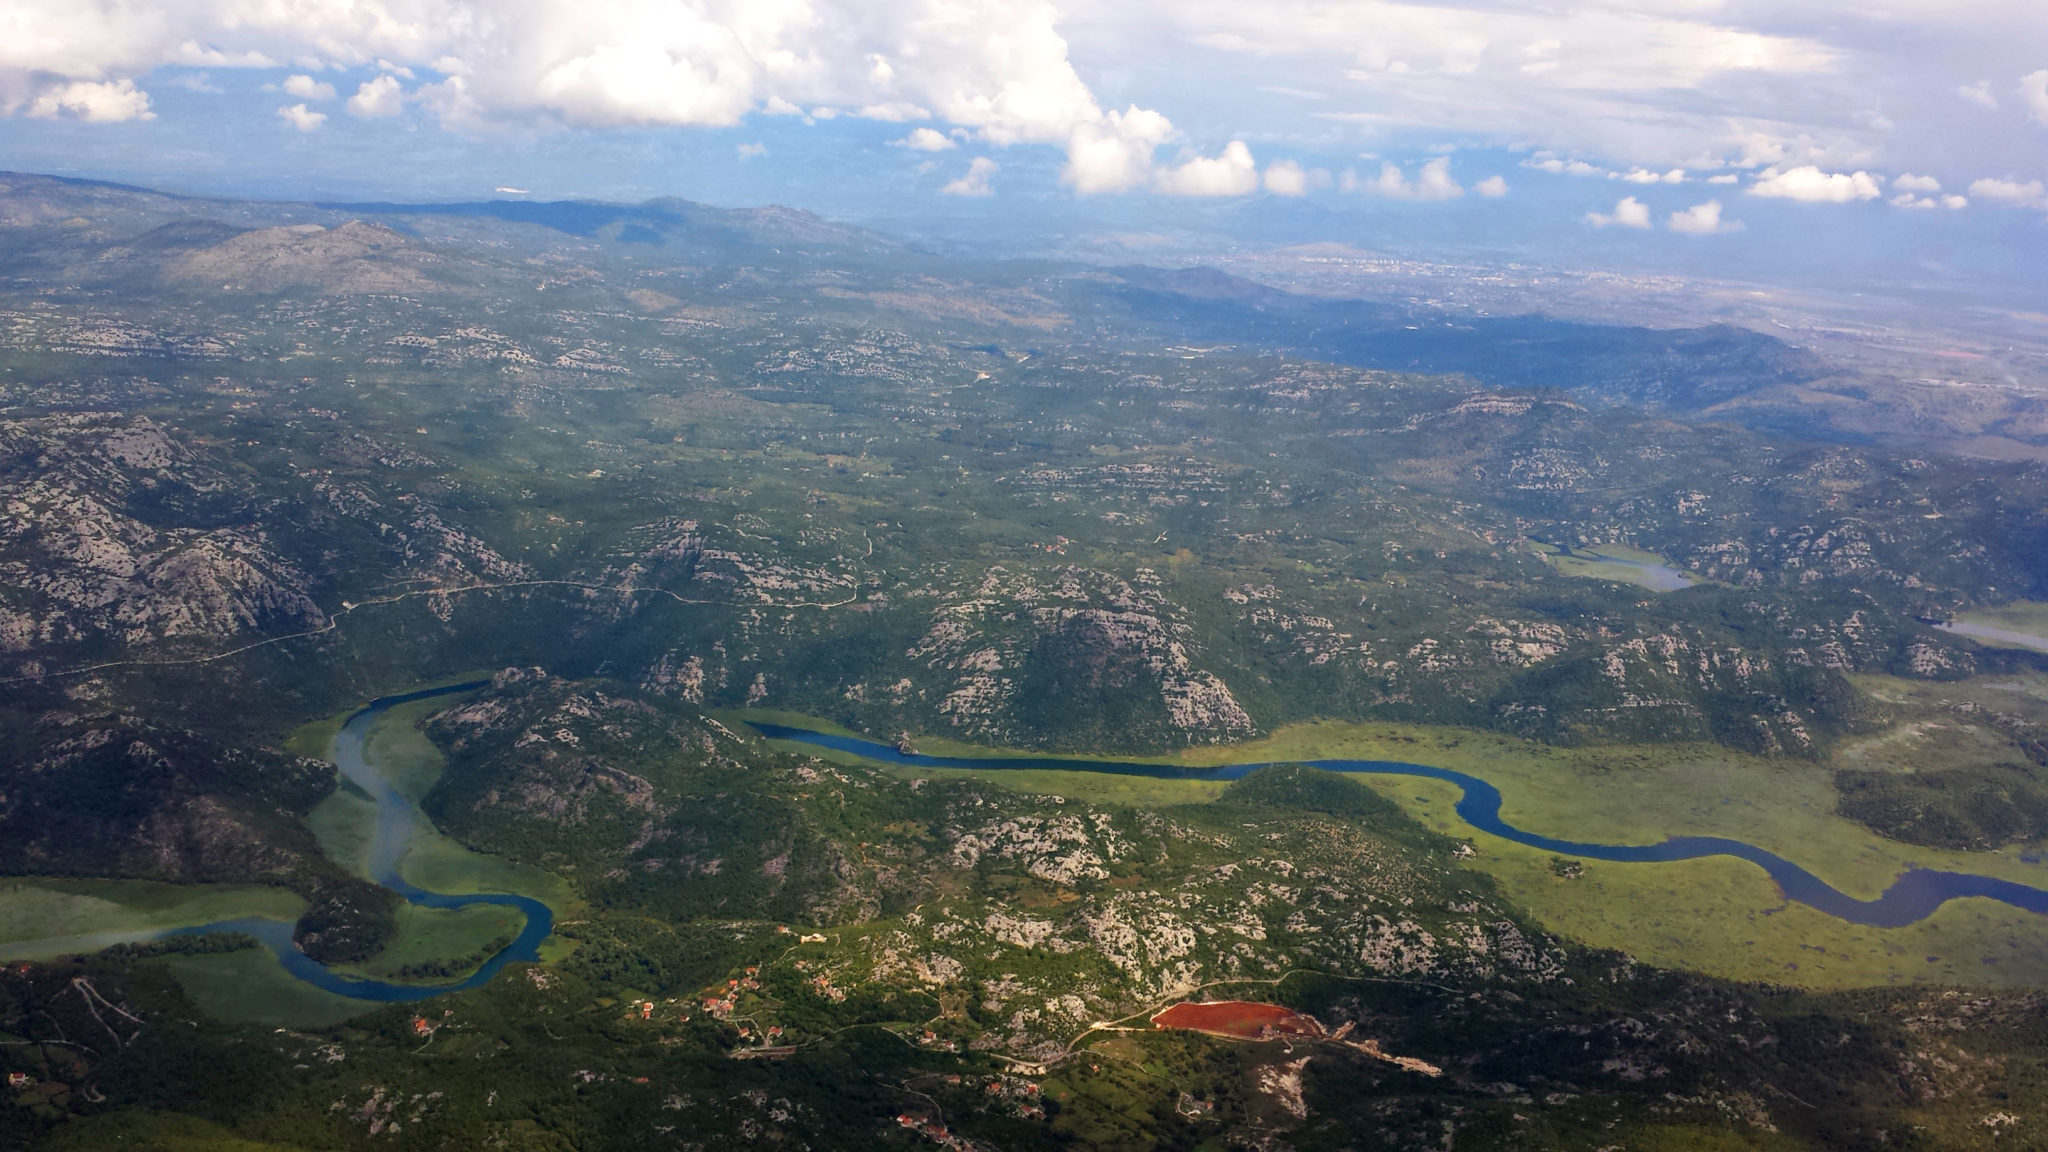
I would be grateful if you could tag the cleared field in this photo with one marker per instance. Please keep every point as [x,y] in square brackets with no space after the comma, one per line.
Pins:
[1238,1019]
[41,917]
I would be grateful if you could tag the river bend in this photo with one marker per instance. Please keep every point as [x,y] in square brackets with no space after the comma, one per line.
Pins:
[1912,897]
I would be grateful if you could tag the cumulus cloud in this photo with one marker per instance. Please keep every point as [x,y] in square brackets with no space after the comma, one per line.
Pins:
[1287,178]
[1655,81]
[307,88]
[1432,182]
[2034,90]
[1493,187]
[1907,182]
[2030,194]
[1629,213]
[1114,154]
[381,97]
[998,68]
[1813,186]
[1703,220]
[1725,178]
[1908,200]
[976,181]
[1232,173]
[1979,94]
[301,117]
[926,140]
[752,149]
[1559,167]
[103,102]
[894,111]
[1644,176]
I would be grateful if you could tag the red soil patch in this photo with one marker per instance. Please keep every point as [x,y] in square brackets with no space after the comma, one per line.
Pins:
[1239,1020]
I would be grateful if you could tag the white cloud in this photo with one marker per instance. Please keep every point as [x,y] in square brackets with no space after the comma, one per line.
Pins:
[1287,178]
[750,150]
[1644,176]
[926,140]
[2034,90]
[1907,182]
[976,181]
[1432,182]
[1232,173]
[1725,178]
[1493,187]
[1813,186]
[1908,200]
[376,98]
[103,102]
[2030,194]
[307,88]
[1114,154]
[1629,213]
[998,68]
[1655,81]
[895,112]
[301,117]
[1703,220]
[1557,167]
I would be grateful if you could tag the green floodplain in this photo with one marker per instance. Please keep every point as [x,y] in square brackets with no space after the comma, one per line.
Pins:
[42,917]
[1719,916]
[2019,624]
[1619,563]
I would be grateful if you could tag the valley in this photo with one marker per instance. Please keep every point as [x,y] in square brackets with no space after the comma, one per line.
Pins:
[717,675]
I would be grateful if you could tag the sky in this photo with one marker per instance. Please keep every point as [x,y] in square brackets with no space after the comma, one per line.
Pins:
[1844,137]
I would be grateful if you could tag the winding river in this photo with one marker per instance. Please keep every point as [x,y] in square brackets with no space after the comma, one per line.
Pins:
[1914,896]
[1911,898]
[398,822]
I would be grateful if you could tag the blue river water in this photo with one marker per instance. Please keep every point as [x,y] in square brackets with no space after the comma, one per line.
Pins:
[398,821]
[1911,898]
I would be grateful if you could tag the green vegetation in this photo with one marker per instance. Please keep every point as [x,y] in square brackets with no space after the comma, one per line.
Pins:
[1620,563]
[1718,916]
[44,917]
[248,987]
[434,945]
[1969,808]
[155,1132]
[346,820]
[2017,624]
[731,465]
